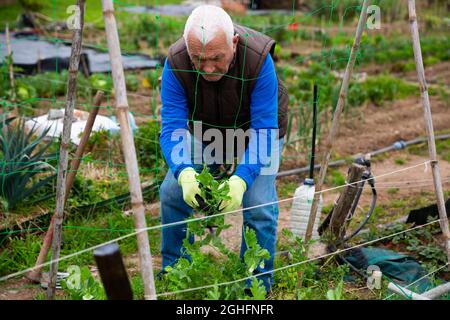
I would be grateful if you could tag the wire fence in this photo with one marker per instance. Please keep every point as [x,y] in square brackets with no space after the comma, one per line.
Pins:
[113,169]
[234,212]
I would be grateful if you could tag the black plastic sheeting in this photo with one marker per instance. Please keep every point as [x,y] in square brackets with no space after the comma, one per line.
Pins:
[422,215]
[33,54]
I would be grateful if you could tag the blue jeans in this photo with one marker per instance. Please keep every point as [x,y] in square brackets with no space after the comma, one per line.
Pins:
[264,219]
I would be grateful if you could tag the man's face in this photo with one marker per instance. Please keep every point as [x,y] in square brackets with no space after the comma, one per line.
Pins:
[214,58]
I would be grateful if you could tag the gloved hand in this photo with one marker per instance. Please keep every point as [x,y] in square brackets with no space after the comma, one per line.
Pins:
[190,186]
[237,189]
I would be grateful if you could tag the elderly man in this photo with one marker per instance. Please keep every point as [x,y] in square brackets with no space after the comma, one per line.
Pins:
[222,76]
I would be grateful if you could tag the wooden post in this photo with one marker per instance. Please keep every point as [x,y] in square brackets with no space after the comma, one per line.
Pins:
[63,151]
[429,125]
[129,150]
[35,274]
[336,116]
[344,204]
[112,272]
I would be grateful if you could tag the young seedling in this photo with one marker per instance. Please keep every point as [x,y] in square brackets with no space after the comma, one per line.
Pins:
[212,193]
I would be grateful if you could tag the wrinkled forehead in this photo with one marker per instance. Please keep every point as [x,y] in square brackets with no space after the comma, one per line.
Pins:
[218,44]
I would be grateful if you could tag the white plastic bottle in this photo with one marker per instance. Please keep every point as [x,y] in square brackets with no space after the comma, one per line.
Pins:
[301,210]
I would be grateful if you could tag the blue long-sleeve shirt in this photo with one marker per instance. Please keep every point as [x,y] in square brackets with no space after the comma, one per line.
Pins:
[263,113]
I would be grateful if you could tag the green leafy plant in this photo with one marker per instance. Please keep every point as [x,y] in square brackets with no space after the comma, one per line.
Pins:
[101,81]
[30,90]
[5,83]
[104,145]
[148,150]
[204,268]
[151,78]
[81,285]
[23,158]
[132,82]
[254,256]
[201,268]
[385,87]
[212,194]
[336,293]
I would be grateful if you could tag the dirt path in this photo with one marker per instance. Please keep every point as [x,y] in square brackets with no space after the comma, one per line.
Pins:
[379,127]
[19,289]
[404,180]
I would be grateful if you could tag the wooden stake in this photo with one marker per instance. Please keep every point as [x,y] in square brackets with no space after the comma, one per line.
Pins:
[336,116]
[129,150]
[63,151]
[112,271]
[429,125]
[344,204]
[35,274]
[11,68]
[75,164]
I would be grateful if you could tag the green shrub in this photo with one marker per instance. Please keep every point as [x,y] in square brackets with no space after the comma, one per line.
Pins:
[155,31]
[132,82]
[23,158]
[148,149]
[49,85]
[385,87]
[152,78]
[101,81]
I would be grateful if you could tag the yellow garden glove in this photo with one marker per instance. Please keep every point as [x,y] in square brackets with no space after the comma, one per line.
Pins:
[237,189]
[190,186]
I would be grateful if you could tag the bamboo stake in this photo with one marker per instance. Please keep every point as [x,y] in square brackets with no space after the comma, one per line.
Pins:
[129,150]
[35,274]
[337,113]
[63,151]
[429,125]
[11,68]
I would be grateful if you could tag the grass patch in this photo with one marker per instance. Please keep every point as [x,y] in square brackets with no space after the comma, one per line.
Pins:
[392,191]
[443,149]
[20,251]
[286,189]
[335,178]
[399,161]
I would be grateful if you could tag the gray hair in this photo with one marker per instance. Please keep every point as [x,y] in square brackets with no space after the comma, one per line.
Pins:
[206,21]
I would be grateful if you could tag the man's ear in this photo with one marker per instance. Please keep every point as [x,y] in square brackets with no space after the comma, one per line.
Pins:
[235,41]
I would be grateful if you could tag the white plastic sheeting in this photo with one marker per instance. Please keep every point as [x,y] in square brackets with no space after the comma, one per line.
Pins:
[42,123]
